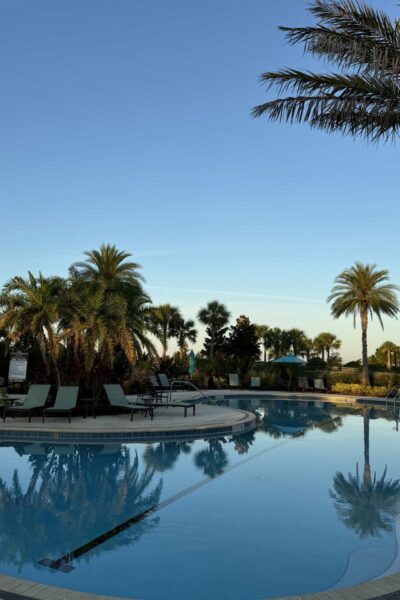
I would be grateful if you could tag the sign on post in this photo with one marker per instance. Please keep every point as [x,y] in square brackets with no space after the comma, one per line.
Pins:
[18,366]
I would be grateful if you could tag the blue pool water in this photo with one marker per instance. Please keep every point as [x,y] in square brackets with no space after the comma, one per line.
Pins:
[306,503]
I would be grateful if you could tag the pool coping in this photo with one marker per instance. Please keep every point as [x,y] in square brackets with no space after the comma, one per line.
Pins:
[15,588]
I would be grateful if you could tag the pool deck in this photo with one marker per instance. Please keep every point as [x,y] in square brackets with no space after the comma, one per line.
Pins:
[170,423]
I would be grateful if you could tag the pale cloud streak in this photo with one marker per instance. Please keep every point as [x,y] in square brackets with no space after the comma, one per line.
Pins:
[234,294]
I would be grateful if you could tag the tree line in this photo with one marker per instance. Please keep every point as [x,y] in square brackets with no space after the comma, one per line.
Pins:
[99,322]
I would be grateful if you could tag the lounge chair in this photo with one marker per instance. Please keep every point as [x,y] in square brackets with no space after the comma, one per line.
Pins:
[164,381]
[117,399]
[35,400]
[302,384]
[319,385]
[255,382]
[66,400]
[157,390]
[233,380]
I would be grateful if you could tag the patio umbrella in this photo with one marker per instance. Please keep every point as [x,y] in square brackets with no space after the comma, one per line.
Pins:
[289,359]
[192,362]
[291,362]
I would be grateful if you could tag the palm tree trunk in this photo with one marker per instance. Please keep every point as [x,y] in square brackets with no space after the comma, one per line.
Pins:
[265,353]
[53,354]
[212,343]
[367,466]
[364,326]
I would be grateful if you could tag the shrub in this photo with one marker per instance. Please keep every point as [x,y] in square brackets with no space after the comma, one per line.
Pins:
[347,376]
[387,379]
[357,389]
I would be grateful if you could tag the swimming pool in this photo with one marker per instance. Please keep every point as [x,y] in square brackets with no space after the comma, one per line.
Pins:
[308,502]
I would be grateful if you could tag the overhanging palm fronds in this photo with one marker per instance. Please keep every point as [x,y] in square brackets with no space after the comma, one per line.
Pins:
[365,100]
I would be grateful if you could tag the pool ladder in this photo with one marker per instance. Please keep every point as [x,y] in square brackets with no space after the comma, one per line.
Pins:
[393,396]
[177,382]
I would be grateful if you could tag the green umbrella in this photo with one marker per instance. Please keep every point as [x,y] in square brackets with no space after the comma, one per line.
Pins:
[192,362]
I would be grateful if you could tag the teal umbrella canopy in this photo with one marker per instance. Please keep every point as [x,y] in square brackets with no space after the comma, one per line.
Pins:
[192,362]
[289,359]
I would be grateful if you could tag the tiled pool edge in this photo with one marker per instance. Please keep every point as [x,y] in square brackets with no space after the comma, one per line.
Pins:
[24,589]
[372,590]
[244,424]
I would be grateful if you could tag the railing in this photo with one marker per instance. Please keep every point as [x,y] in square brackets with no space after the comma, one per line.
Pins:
[194,387]
[394,394]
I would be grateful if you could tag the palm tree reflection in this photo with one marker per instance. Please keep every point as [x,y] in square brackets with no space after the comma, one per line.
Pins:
[212,459]
[365,503]
[164,455]
[74,494]
[243,442]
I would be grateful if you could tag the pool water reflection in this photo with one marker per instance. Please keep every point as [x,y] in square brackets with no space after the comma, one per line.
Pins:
[308,502]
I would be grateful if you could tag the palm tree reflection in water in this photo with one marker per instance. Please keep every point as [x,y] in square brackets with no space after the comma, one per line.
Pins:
[74,494]
[212,459]
[365,503]
[164,455]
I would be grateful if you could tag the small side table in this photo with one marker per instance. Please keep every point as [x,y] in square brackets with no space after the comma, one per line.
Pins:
[89,404]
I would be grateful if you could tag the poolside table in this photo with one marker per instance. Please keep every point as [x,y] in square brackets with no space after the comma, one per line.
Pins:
[88,403]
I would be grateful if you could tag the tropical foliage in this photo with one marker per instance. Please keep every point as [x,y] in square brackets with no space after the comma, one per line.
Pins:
[362,98]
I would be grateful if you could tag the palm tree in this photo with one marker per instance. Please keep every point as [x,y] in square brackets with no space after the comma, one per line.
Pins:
[326,342]
[262,334]
[277,343]
[363,97]
[164,320]
[216,317]
[32,306]
[360,290]
[387,350]
[296,339]
[106,311]
[107,269]
[185,332]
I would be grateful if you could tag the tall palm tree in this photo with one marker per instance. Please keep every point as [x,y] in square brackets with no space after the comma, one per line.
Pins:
[360,290]
[216,318]
[363,97]
[164,320]
[31,305]
[185,332]
[262,334]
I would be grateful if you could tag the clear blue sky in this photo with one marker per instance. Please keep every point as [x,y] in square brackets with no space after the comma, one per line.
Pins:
[128,122]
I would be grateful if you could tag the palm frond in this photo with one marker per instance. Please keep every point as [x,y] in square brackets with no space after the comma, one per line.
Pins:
[351,35]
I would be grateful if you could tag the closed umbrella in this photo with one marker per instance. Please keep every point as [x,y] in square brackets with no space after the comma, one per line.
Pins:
[192,362]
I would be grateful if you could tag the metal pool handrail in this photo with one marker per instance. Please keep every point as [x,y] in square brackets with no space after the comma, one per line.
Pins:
[189,383]
[394,394]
